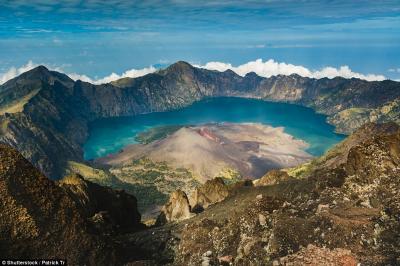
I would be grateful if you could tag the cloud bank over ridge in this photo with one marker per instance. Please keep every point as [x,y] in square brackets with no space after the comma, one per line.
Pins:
[132,73]
[262,68]
[272,68]
[13,72]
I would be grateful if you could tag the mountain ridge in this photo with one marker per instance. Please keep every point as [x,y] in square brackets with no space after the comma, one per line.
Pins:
[52,125]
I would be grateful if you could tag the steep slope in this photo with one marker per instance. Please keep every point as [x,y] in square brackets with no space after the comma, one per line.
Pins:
[338,154]
[48,127]
[344,214]
[73,220]
[28,82]
[45,115]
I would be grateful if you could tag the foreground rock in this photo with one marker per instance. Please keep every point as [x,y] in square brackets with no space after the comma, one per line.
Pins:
[103,203]
[353,209]
[176,209]
[343,214]
[338,155]
[211,192]
[179,207]
[315,256]
[39,219]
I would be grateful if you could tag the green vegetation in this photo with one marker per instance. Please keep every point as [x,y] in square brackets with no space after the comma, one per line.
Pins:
[230,176]
[151,183]
[304,170]
[122,83]
[352,118]
[148,173]
[99,176]
[146,193]
[354,111]
[18,105]
[4,125]
[156,133]
[301,170]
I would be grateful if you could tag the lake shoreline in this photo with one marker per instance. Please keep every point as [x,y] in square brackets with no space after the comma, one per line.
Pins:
[110,135]
[208,150]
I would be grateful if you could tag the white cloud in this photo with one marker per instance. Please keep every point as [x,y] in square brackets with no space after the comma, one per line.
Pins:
[272,68]
[13,72]
[132,73]
[262,68]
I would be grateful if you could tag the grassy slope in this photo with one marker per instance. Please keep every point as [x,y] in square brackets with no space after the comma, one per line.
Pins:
[156,133]
[17,106]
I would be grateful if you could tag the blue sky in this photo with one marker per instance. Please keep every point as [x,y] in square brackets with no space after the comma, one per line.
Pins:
[97,37]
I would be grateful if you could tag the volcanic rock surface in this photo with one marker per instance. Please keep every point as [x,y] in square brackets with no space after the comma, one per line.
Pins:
[41,219]
[338,214]
[212,149]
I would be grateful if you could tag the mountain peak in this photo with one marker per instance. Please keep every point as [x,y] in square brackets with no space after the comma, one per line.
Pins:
[40,68]
[252,74]
[295,75]
[230,72]
[179,66]
[42,73]
[37,72]
[182,64]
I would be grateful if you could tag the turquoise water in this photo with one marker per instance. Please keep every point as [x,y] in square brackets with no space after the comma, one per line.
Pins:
[112,134]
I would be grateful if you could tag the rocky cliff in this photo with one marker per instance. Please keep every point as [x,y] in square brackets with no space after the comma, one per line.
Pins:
[45,115]
[74,219]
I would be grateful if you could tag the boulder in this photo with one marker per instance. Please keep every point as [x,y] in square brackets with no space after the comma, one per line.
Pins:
[211,192]
[176,209]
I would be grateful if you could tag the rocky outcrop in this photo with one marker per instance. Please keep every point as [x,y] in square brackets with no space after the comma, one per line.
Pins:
[51,126]
[118,207]
[352,118]
[40,219]
[209,193]
[179,207]
[271,178]
[338,155]
[176,209]
[346,214]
